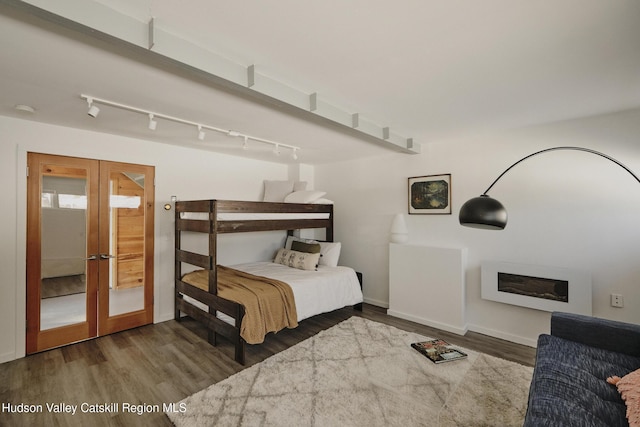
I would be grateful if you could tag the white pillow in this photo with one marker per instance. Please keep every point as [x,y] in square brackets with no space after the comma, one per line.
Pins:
[276,191]
[308,196]
[299,260]
[330,253]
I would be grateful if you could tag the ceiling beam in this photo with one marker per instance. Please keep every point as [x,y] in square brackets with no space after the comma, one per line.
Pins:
[95,19]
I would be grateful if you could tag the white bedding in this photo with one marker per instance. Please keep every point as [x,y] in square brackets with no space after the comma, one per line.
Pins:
[240,216]
[315,292]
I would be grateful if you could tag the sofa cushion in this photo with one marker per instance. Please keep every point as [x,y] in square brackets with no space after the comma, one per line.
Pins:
[569,386]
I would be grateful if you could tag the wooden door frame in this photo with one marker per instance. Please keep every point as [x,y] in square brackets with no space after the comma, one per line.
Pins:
[110,324]
[32,277]
[37,340]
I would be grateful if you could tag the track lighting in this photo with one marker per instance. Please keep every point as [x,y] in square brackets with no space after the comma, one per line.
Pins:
[152,123]
[93,109]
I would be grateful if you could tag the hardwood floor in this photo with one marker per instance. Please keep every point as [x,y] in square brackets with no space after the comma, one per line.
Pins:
[163,363]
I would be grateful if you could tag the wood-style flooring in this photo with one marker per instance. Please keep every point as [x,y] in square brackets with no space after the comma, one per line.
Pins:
[163,363]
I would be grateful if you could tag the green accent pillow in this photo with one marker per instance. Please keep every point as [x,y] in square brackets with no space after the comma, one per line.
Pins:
[310,248]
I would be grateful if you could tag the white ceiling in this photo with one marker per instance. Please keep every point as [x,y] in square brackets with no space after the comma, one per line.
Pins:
[432,70]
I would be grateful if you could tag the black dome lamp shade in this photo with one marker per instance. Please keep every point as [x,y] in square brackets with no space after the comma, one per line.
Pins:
[483,212]
[488,213]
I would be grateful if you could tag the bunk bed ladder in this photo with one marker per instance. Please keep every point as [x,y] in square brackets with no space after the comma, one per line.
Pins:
[208,262]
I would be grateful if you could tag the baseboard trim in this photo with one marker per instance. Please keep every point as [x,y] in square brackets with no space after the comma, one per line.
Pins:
[163,317]
[434,324]
[377,303]
[7,357]
[504,336]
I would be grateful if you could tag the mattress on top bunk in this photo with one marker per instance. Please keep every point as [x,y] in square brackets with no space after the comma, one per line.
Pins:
[242,216]
[315,292]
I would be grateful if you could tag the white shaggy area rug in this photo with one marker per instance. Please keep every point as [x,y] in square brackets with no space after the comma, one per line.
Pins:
[363,373]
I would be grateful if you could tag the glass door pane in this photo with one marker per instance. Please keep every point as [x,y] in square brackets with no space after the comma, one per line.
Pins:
[63,269]
[126,242]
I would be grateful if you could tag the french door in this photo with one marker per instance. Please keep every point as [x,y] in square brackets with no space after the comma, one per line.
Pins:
[89,249]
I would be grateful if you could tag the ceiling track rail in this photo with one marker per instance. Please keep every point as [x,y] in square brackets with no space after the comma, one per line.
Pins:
[149,40]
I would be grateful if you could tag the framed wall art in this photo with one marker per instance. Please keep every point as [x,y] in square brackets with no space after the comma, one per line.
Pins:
[430,194]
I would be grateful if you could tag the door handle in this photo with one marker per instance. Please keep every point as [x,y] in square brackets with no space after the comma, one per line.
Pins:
[92,258]
[106,256]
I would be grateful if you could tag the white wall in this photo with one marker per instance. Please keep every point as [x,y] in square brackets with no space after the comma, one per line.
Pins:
[592,205]
[185,173]
[567,209]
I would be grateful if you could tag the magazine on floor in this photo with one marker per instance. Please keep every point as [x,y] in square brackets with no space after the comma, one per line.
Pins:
[438,351]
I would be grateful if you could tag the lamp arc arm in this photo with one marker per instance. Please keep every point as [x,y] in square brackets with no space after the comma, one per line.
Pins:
[587,150]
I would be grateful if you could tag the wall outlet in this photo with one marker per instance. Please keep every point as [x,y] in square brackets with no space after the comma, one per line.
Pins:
[617,300]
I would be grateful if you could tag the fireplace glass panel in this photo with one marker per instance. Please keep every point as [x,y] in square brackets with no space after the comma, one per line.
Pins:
[537,287]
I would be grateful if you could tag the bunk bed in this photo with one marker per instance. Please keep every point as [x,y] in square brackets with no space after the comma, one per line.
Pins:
[199,298]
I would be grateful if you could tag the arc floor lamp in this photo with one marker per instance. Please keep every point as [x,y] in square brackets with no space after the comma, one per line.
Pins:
[488,213]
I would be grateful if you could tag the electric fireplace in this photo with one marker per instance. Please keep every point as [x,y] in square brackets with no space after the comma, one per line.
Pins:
[537,287]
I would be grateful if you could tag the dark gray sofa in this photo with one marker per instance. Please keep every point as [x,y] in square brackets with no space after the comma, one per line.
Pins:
[569,385]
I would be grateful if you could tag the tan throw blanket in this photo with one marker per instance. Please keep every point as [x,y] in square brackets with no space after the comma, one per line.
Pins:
[269,304]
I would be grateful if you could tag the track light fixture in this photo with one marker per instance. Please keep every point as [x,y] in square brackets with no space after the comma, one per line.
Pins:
[94,110]
[152,123]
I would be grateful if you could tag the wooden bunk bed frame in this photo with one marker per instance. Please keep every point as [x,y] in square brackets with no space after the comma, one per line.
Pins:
[212,226]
